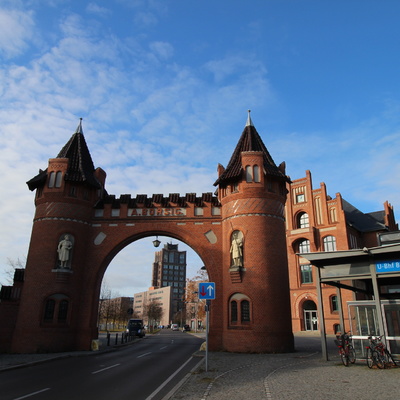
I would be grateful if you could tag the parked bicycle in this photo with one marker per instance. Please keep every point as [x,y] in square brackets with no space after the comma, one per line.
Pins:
[346,349]
[378,354]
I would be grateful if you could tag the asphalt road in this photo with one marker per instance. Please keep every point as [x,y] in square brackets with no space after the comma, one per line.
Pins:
[147,369]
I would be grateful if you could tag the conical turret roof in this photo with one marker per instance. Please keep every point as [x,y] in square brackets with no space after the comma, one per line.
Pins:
[250,140]
[80,164]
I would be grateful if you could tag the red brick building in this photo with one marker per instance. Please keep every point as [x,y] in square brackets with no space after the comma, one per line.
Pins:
[317,222]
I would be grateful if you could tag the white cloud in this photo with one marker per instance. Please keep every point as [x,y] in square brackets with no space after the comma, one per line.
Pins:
[94,8]
[162,49]
[16,31]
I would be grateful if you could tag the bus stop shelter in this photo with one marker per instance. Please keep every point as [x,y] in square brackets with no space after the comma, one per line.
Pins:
[374,274]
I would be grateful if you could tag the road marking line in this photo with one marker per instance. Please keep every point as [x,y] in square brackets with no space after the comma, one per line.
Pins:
[170,378]
[145,354]
[162,348]
[32,394]
[104,369]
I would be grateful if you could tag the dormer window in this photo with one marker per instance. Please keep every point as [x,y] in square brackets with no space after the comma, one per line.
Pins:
[55,179]
[249,174]
[58,179]
[253,173]
[256,170]
[52,179]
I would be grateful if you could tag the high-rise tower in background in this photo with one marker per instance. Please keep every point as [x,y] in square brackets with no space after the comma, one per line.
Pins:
[169,269]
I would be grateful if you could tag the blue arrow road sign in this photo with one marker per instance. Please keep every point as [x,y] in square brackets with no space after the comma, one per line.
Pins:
[207,290]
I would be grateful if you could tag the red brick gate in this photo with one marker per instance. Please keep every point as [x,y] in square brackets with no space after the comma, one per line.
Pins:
[78,229]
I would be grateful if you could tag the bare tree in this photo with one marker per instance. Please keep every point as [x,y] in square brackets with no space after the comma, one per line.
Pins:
[9,271]
[153,311]
[195,308]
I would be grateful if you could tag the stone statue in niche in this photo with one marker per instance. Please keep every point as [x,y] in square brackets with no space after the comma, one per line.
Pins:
[64,251]
[237,250]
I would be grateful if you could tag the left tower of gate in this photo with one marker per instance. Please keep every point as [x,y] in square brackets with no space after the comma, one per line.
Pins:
[66,193]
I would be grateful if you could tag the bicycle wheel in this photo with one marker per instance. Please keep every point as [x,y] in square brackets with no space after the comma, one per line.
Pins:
[345,357]
[370,360]
[389,358]
[378,359]
[352,354]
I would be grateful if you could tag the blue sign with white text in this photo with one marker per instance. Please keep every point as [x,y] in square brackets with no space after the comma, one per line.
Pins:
[387,266]
[207,290]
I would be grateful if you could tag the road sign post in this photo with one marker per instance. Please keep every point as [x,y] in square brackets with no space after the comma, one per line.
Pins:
[207,292]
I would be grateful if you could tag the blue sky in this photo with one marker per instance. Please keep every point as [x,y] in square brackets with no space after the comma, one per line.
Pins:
[163,88]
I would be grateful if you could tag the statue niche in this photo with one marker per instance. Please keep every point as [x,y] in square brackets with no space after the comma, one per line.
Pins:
[64,251]
[236,251]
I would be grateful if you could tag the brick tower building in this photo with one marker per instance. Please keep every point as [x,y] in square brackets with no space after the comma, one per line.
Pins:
[65,195]
[252,192]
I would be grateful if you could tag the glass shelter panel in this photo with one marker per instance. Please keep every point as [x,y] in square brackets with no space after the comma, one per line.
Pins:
[364,322]
[391,315]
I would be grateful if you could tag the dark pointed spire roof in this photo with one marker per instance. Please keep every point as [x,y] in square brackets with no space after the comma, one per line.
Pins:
[80,164]
[249,141]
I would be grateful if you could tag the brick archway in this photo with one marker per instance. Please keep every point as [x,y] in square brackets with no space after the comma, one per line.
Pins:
[71,200]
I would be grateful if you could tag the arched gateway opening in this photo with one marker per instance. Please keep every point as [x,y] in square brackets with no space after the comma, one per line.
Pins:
[78,228]
[166,274]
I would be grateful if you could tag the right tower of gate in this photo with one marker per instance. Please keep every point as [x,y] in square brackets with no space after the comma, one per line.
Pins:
[256,303]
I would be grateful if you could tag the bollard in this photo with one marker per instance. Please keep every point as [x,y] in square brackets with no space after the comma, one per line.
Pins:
[108,338]
[116,338]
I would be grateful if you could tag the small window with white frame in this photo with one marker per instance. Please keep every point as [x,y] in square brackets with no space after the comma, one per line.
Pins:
[300,198]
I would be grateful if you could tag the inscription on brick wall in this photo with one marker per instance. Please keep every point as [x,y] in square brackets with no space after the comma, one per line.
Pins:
[159,212]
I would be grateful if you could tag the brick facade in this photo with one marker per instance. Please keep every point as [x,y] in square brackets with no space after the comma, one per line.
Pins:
[328,224]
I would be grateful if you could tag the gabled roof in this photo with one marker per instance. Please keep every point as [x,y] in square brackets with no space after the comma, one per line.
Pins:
[363,222]
[250,140]
[80,164]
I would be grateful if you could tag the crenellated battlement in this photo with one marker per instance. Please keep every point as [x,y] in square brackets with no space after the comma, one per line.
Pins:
[158,205]
[159,200]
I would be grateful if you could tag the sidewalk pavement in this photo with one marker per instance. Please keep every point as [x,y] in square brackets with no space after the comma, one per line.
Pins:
[301,375]
[8,361]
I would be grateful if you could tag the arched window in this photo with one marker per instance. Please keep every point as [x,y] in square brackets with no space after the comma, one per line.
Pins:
[240,310]
[245,311]
[62,311]
[304,246]
[303,220]
[256,170]
[329,243]
[58,179]
[334,303]
[49,310]
[52,179]
[234,311]
[249,174]
[56,309]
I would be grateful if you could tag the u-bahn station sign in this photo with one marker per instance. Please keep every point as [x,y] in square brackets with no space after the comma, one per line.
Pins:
[388,266]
